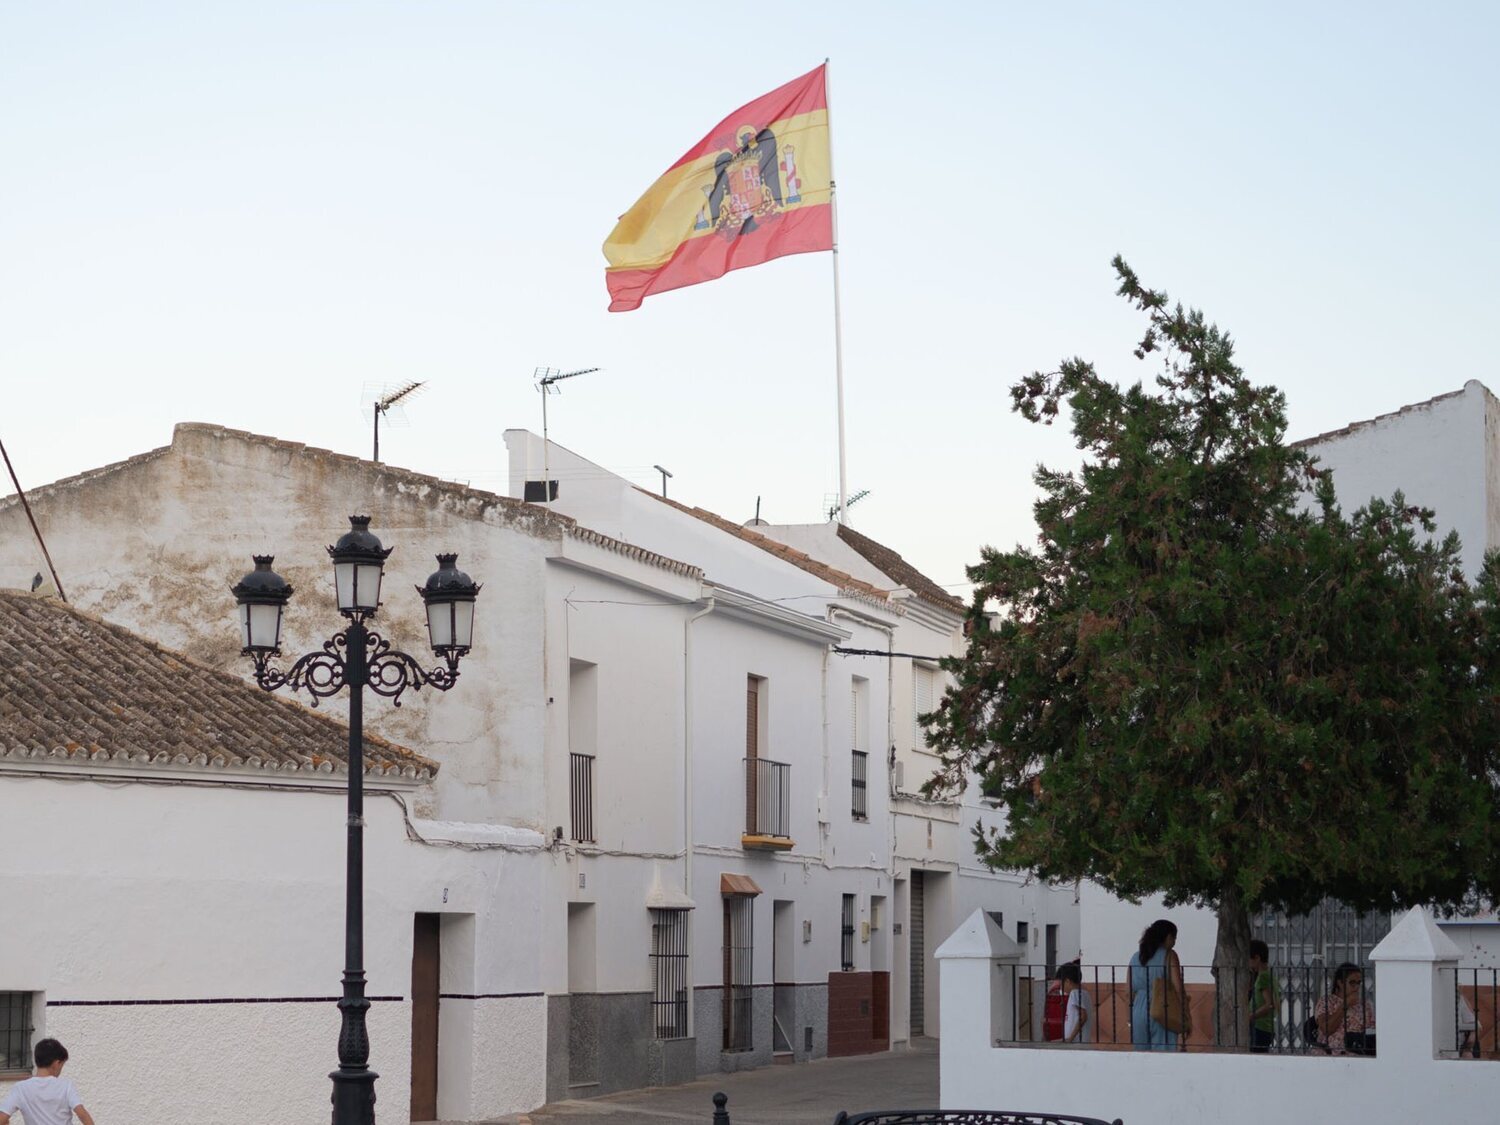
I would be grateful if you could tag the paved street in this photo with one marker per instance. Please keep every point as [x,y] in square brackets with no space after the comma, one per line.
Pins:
[803,1094]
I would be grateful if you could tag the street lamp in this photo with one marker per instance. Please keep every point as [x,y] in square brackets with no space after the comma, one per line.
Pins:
[356,658]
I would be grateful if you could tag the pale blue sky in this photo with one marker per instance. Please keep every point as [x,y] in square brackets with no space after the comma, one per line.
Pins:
[244,213]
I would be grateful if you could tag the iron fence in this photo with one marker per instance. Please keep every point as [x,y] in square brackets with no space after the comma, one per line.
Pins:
[1476,1012]
[768,794]
[964,1117]
[1305,1017]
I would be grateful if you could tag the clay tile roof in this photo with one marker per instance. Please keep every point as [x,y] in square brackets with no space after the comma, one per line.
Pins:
[889,563]
[797,558]
[78,689]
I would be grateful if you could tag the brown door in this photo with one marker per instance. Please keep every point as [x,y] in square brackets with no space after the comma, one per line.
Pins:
[752,750]
[425,966]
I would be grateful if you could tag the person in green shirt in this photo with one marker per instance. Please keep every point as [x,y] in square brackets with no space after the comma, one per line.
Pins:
[1264,998]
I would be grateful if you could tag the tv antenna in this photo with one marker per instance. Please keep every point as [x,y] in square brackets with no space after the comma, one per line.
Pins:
[665,476]
[547,379]
[833,511]
[381,399]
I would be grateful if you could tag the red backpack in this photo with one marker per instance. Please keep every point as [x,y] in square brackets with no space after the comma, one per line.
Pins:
[1055,1013]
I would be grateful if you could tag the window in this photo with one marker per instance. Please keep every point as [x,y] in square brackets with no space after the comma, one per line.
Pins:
[846,931]
[921,703]
[997,917]
[739,956]
[1049,938]
[15,1031]
[583,726]
[859,767]
[1023,933]
[669,973]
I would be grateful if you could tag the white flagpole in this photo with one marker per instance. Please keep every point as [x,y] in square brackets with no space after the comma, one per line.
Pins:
[838,320]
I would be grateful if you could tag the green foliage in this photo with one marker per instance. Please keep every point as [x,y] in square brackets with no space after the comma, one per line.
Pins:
[1208,680]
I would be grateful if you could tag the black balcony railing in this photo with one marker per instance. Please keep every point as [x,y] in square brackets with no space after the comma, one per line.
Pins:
[768,798]
[581,796]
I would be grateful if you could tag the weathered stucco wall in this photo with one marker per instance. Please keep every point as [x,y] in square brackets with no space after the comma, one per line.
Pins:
[155,543]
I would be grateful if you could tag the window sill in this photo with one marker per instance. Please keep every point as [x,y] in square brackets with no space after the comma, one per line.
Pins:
[14,1075]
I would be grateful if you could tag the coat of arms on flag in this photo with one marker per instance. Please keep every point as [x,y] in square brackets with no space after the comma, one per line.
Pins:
[758,187]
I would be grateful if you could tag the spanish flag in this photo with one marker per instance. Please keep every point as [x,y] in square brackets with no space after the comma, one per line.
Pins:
[757,187]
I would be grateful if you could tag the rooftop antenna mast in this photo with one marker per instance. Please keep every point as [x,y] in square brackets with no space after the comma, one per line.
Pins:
[388,400]
[547,379]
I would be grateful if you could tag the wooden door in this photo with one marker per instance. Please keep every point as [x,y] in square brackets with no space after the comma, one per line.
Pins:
[752,752]
[426,968]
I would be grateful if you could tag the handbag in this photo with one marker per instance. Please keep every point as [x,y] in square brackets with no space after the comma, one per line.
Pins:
[1169,1006]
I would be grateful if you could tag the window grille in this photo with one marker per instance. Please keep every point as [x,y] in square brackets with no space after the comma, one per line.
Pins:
[15,1031]
[669,973]
[859,806]
[846,931]
[738,961]
[581,796]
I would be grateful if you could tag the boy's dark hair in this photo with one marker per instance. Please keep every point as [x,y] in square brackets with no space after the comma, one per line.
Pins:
[1260,949]
[1070,972]
[49,1051]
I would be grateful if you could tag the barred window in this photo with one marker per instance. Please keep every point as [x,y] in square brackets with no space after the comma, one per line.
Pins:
[15,1031]
[669,973]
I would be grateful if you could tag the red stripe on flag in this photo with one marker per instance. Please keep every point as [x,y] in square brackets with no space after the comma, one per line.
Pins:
[803,231]
[800,95]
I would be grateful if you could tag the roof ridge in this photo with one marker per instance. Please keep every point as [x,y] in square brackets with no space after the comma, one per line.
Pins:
[923,587]
[800,559]
[1362,423]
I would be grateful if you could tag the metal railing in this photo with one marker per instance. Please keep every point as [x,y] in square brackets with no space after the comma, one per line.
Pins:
[768,798]
[933,1117]
[15,1031]
[581,796]
[1475,999]
[1301,997]
[859,804]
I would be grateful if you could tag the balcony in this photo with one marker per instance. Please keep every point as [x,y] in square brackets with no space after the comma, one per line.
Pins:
[768,805]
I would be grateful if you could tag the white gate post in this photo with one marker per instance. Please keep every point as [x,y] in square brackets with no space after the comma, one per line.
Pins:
[976,980]
[1414,1016]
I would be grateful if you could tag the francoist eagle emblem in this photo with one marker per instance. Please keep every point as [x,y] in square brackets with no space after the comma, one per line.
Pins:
[747,187]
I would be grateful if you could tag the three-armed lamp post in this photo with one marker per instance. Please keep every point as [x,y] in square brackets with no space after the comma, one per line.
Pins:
[356,658]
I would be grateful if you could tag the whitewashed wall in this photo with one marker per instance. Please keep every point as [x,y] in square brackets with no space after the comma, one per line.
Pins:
[179,935]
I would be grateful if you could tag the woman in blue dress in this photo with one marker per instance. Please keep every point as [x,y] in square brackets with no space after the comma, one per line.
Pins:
[1151,963]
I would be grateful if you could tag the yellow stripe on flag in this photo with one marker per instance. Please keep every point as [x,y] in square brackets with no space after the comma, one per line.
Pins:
[665,216]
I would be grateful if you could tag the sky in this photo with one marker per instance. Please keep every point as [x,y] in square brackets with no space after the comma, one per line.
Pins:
[251,214]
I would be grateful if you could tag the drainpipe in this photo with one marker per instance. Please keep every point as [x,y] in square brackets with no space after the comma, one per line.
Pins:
[687,787]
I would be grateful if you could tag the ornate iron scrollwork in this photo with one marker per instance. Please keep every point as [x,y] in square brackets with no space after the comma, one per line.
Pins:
[389,672]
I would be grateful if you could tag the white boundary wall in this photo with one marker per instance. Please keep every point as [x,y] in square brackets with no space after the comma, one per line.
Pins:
[1406,1082]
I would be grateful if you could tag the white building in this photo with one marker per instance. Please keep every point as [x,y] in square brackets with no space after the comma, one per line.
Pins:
[931,876]
[607,851]
[173,895]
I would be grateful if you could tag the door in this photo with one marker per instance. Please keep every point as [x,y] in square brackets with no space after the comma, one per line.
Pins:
[425,972]
[752,754]
[918,953]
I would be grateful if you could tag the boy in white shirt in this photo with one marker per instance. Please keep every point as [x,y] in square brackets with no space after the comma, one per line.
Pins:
[1077,1025]
[46,1098]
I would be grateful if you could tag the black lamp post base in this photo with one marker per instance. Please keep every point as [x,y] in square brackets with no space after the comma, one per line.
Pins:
[354,1097]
